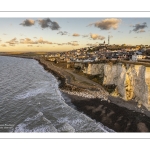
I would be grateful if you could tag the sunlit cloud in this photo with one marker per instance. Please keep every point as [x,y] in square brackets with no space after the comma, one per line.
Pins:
[96,37]
[76,34]
[13,41]
[107,24]
[29,41]
[73,43]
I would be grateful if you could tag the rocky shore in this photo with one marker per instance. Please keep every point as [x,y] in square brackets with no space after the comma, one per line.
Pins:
[94,101]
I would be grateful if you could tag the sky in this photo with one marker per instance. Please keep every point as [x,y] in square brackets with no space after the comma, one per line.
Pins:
[64,34]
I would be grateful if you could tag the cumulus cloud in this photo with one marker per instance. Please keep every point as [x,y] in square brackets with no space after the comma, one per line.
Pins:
[139,27]
[47,23]
[97,37]
[28,22]
[62,33]
[13,41]
[76,34]
[107,24]
[44,23]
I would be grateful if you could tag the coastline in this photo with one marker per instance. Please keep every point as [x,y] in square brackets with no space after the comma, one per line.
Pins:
[115,113]
[117,118]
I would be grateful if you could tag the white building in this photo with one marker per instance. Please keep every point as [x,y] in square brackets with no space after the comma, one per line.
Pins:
[135,57]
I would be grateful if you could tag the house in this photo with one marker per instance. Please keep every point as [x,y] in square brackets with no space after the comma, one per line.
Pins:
[135,57]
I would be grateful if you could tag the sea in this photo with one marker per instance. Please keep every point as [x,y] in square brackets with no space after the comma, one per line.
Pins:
[31,101]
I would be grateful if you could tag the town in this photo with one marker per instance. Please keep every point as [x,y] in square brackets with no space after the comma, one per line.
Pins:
[102,51]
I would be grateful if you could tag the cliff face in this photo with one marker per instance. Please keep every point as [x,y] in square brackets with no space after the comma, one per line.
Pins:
[132,81]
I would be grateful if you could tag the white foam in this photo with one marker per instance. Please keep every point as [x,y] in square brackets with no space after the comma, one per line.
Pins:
[43,128]
[47,127]
[66,127]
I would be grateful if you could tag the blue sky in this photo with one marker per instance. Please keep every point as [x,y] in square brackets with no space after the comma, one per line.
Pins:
[63,34]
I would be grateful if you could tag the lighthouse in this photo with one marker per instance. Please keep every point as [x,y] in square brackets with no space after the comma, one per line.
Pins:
[108,39]
[104,43]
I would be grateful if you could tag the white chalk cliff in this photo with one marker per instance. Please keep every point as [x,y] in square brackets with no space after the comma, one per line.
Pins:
[132,81]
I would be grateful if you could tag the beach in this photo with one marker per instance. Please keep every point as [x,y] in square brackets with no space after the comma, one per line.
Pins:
[95,102]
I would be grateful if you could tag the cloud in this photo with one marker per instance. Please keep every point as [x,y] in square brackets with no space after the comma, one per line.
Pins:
[28,22]
[3,45]
[85,35]
[62,33]
[4,34]
[73,43]
[44,23]
[47,23]
[135,37]
[139,27]
[76,34]
[29,41]
[141,30]
[59,44]
[92,44]
[12,45]
[97,37]
[29,45]
[13,41]
[41,41]
[107,24]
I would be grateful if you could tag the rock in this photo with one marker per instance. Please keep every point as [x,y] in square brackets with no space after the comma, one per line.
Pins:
[139,105]
[142,127]
[108,101]
[139,102]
